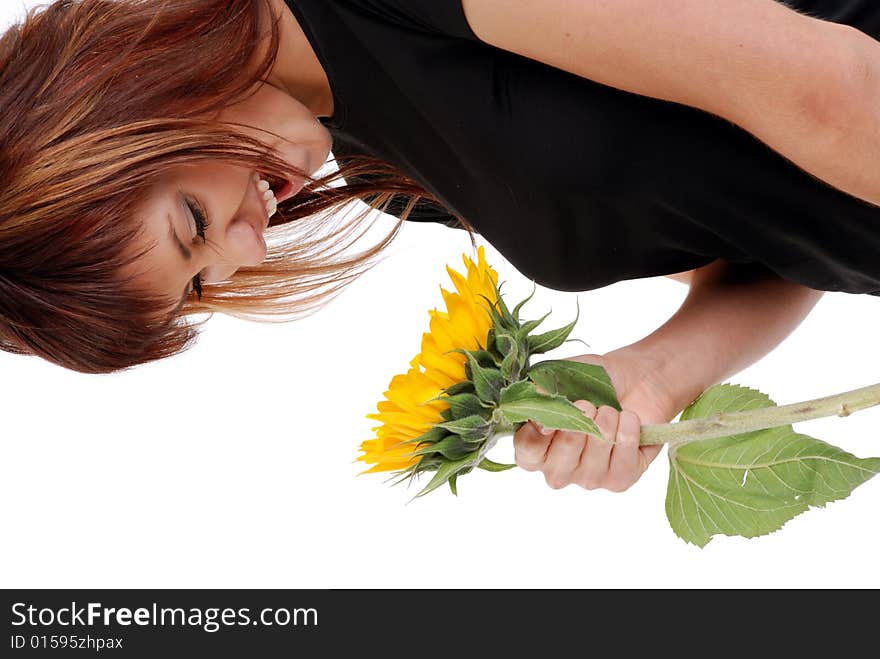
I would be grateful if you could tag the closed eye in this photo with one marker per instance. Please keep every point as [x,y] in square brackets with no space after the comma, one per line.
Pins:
[202,223]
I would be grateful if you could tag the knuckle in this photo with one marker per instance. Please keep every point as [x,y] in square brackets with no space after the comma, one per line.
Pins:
[527,462]
[585,406]
[607,421]
[530,449]
[555,481]
[524,464]
[590,483]
[630,427]
[617,485]
[571,439]
[526,458]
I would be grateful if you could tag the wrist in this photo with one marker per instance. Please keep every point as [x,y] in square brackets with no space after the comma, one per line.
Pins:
[660,373]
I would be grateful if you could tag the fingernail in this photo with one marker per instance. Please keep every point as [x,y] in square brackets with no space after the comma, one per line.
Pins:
[544,431]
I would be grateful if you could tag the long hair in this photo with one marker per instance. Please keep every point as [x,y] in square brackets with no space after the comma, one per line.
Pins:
[97,99]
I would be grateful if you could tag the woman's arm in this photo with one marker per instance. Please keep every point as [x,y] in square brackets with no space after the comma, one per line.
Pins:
[808,88]
[733,315]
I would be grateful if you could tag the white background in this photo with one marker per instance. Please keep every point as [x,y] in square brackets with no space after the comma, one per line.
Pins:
[232,465]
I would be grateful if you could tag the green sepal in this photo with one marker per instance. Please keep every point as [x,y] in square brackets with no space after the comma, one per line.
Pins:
[491,346]
[514,359]
[470,428]
[463,387]
[498,320]
[462,405]
[506,316]
[499,313]
[519,306]
[447,470]
[487,381]
[541,343]
[505,342]
[575,381]
[452,447]
[488,465]
[432,436]
[483,357]
[452,485]
[529,325]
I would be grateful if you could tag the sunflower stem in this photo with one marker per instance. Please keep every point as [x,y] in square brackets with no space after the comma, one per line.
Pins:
[725,424]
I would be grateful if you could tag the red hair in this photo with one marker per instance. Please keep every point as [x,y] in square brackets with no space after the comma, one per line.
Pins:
[96,106]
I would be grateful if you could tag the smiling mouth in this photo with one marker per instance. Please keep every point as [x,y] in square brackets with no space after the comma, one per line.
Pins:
[282,188]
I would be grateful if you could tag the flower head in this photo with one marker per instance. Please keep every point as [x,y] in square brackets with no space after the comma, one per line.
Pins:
[472,382]
[411,406]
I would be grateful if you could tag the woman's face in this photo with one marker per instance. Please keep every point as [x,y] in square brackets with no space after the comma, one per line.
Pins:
[227,197]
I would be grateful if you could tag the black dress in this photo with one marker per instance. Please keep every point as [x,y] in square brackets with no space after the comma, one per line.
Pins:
[579,184]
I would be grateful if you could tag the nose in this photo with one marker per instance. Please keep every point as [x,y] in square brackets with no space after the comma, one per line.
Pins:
[217,273]
[242,245]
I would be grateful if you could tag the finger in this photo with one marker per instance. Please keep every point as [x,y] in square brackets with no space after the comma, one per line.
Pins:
[563,457]
[593,468]
[530,447]
[627,462]
[565,451]
[648,454]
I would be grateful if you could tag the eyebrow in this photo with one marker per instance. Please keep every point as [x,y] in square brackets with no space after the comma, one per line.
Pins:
[186,254]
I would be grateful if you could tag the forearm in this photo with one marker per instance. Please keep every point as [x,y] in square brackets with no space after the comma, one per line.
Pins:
[732,316]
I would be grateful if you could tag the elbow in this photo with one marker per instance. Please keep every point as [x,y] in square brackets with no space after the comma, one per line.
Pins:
[833,93]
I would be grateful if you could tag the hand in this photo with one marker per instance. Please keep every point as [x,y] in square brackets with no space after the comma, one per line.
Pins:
[567,457]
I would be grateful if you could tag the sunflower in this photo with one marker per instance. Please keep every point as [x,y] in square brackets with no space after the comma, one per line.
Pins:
[411,407]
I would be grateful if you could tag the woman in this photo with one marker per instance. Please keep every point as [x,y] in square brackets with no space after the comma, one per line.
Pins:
[730,145]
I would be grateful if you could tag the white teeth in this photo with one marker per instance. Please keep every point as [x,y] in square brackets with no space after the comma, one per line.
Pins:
[268,196]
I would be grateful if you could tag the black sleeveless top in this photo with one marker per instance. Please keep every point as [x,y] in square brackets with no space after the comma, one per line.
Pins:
[579,184]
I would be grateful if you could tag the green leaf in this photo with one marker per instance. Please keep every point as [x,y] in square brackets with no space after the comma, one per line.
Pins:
[541,343]
[575,381]
[751,484]
[519,306]
[518,391]
[726,398]
[470,428]
[487,381]
[488,465]
[550,411]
